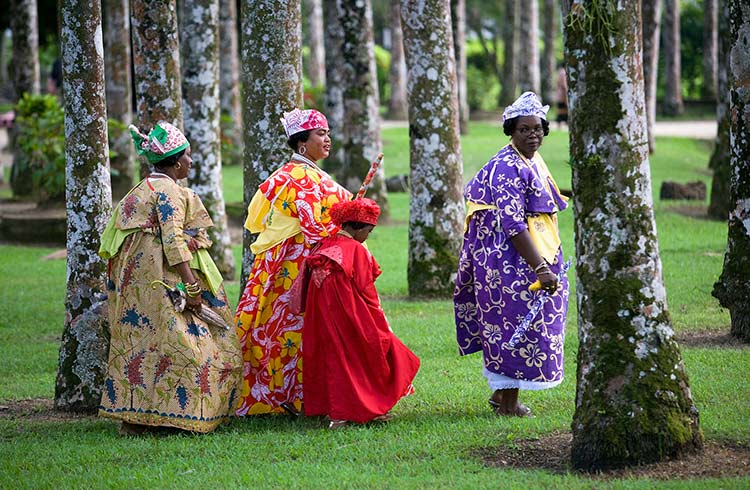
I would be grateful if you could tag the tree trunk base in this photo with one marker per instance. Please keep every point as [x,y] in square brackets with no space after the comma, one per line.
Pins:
[740,323]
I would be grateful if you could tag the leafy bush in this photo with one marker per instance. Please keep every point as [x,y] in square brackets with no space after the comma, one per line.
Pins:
[40,140]
[482,89]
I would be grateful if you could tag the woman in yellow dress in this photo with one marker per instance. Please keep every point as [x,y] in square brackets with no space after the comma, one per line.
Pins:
[166,368]
[290,212]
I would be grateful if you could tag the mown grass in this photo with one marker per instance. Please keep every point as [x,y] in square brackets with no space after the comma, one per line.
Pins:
[431,442]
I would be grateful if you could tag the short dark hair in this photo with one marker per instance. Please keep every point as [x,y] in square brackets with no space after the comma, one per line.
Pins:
[510,125]
[297,138]
[356,225]
[171,160]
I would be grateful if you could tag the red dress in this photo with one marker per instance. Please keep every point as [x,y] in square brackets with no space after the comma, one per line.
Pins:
[355,367]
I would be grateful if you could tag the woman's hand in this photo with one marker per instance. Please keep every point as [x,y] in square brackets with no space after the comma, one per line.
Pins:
[194,303]
[548,280]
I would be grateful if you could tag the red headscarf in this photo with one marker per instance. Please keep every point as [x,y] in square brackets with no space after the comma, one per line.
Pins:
[357,211]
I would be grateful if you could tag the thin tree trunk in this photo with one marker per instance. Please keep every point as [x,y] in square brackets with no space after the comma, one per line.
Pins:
[4,24]
[551,20]
[317,69]
[360,137]
[710,48]
[436,210]
[25,47]
[510,63]
[119,81]
[633,401]
[673,105]
[733,287]
[334,96]
[397,107]
[271,84]
[156,57]
[529,78]
[458,18]
[229,80]
[84,345]
[721,161]
[200,88]
[651,14]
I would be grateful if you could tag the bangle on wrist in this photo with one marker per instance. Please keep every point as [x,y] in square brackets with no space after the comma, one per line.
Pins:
[541,266]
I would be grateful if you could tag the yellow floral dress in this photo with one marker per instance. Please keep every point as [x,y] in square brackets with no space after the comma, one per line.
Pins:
[290,213]
[165,368]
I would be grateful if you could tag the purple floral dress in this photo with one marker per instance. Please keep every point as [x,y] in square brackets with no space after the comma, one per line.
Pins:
[492,287]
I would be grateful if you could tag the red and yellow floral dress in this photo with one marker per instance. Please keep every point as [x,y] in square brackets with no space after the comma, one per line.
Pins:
[290,214]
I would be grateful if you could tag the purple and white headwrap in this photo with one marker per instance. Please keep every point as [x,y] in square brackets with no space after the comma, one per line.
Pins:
[528,104]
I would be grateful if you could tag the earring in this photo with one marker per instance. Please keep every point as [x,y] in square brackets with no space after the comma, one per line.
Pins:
[303,150]
[178,166]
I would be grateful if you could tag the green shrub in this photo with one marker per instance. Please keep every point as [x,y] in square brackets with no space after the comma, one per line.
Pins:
[482,89]
[40,140]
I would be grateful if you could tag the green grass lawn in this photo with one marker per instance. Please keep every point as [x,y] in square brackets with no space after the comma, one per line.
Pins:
[432,439]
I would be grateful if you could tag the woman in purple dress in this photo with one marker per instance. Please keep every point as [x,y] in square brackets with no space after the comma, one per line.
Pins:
[512,243]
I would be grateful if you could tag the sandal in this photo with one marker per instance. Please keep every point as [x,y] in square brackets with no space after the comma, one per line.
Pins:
[337,424]
[388,416]
[290,409]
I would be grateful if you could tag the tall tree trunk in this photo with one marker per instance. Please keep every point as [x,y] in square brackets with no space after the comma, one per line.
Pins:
[25,47]
[397,107]
[4,25]
[458,18]
[360,137]
[156,57]
[229,79]
[436,209]
[710,48]
[200,88]
[673,105]
[317,69]
[633,401]
[510,63]
[528,65]
[733,287]
[334,97]
[721,161]
[119,82]
[551,19]
[85,339]
[651,14]
[271,84]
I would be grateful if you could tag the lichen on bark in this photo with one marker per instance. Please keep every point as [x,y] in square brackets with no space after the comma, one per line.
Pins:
[271,84]
[633,401]
[733,287]
[436,210]
[83,349]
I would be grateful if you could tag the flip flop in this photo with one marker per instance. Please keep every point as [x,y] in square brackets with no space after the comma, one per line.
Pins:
[521,410]
[337,424]
[290,409]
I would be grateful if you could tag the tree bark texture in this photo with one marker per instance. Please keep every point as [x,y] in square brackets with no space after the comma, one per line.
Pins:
[317,69]
[271,57]
[334,96]
[119,98]
[551,19]
[673,104]
[510,50]
[710,48]
[25,47]
[633,401]
[84,345]
[229,74]
[156,58]
[528,63]
[360,136]
[202,110]
[436,209]
[651,15]
[721,162]
[397,106]
[733,287]
[458,19]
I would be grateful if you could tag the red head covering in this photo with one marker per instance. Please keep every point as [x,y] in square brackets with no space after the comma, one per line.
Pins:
[357,211]
[297,121]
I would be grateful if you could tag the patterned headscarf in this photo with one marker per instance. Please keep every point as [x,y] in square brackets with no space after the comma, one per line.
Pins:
[297,121]
[162,141]
[528,104]
[361,210]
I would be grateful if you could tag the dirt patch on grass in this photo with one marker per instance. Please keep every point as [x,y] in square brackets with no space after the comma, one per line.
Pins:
[36,409]
[719,459]
[719,339]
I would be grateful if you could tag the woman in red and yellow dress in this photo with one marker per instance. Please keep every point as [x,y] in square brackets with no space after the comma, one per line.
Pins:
[290,213]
